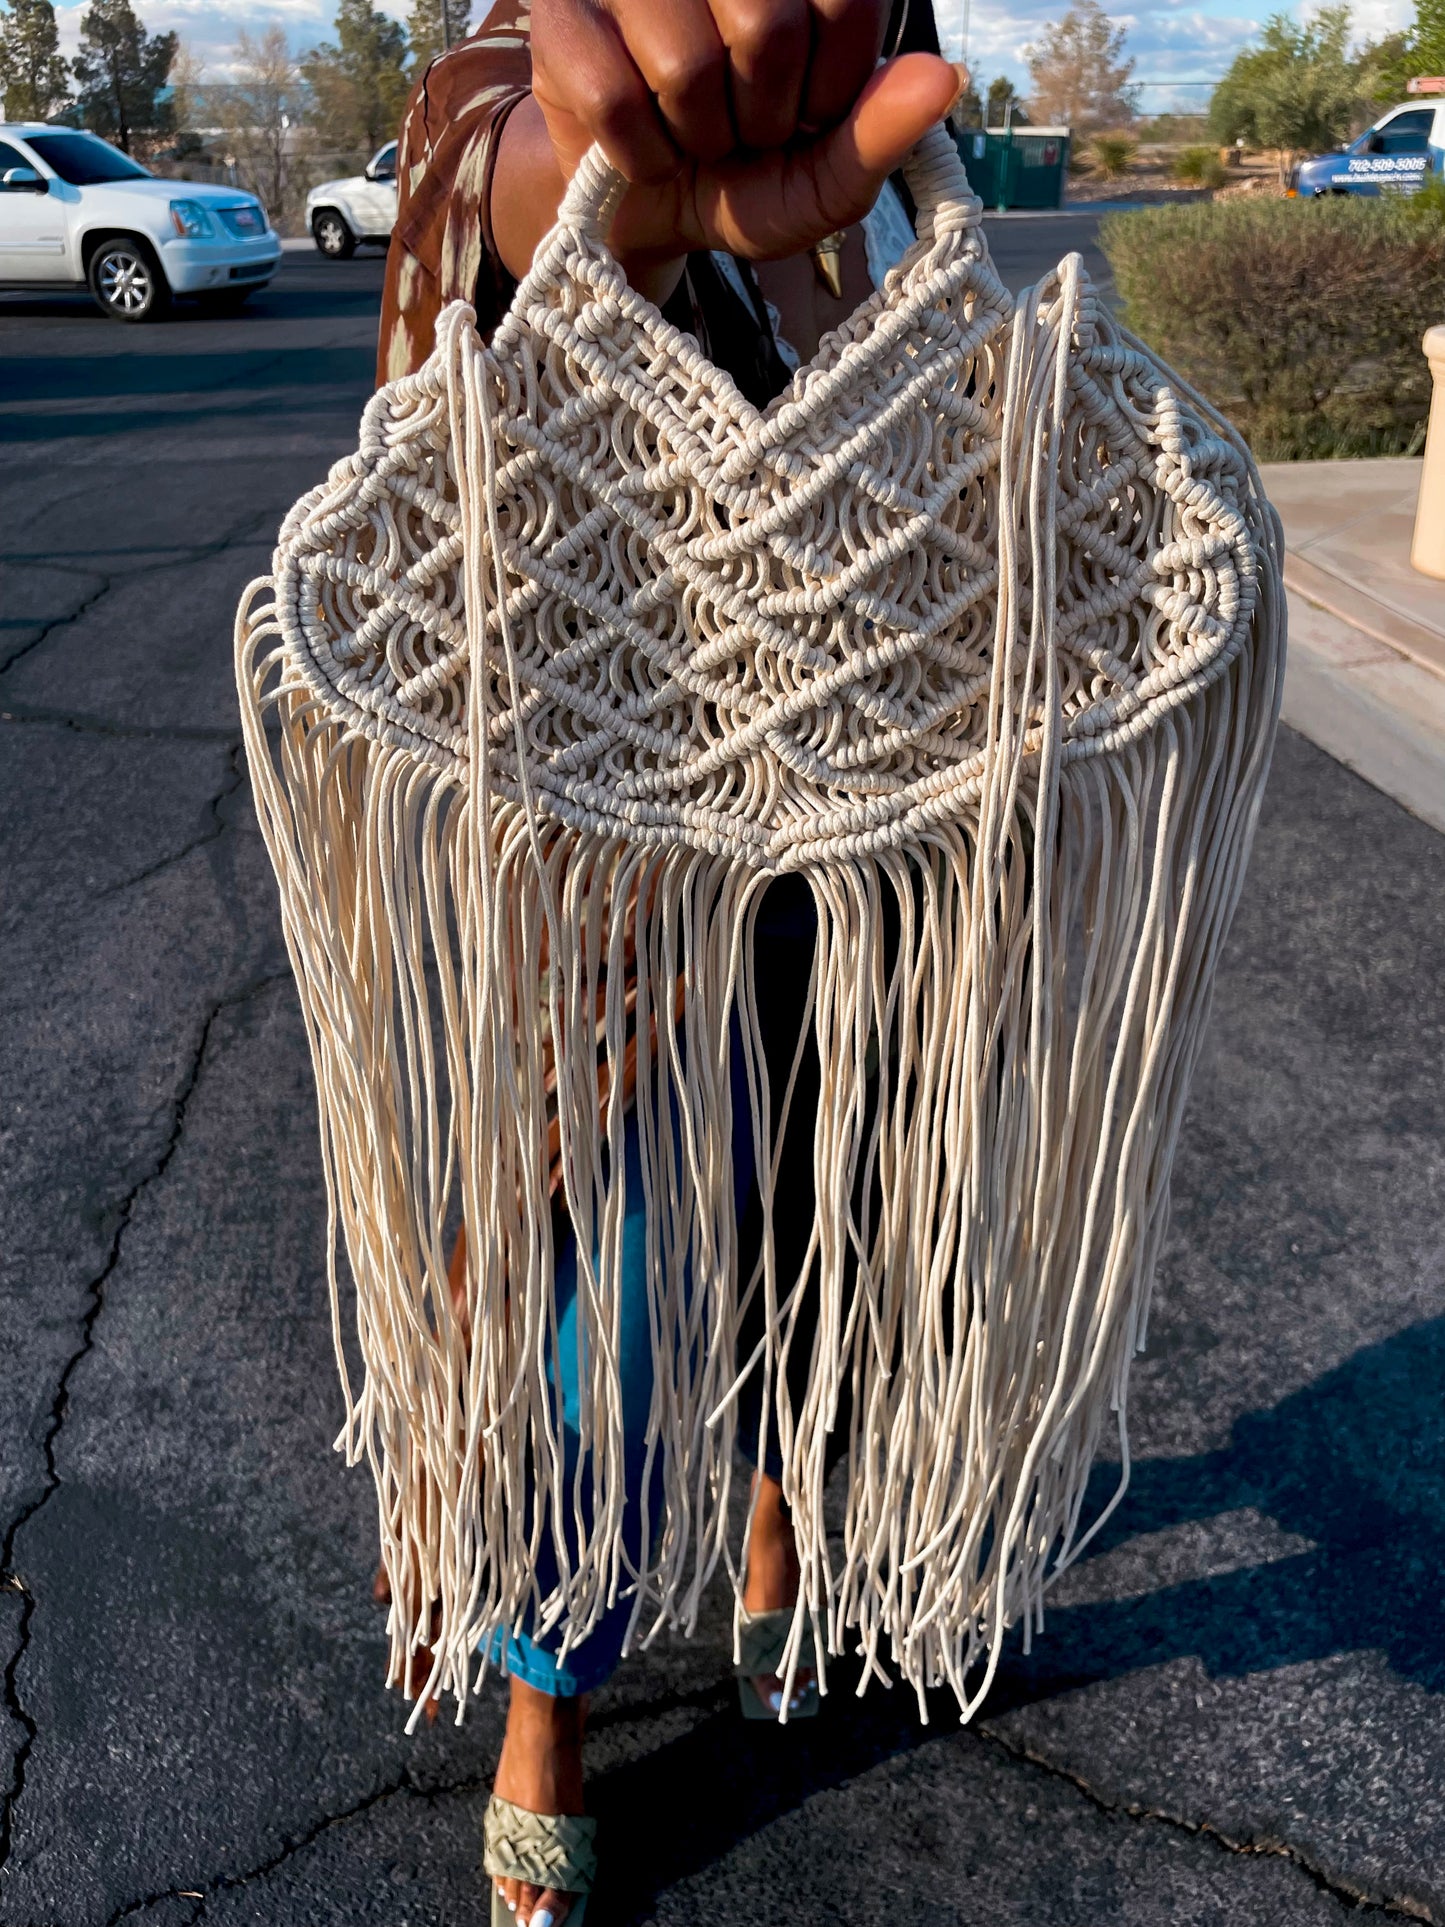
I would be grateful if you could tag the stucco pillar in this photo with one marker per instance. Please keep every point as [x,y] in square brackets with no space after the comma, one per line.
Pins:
[1427,551]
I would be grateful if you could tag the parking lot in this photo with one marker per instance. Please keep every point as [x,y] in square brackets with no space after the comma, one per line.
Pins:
[1237,1711]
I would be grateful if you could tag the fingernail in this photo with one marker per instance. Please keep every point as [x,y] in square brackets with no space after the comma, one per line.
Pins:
[961,76]
[544,1919]
[775,1700]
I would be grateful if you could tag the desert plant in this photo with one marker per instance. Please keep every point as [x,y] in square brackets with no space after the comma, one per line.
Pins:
[1300,320]
[1112,155]
[1201,166]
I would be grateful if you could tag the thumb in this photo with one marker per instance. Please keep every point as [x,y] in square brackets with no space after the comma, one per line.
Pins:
[849,165]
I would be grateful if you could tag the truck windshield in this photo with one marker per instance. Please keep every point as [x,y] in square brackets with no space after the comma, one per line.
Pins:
[84,161]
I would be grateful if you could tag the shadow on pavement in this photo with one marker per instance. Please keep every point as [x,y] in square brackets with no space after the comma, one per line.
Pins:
[1354,1462]
[286,302]
[245,381]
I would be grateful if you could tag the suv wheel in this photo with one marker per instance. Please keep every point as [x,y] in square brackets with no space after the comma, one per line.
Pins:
[332,235]
[127,282]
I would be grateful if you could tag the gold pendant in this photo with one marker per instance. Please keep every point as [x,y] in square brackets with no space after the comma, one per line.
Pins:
[828,260]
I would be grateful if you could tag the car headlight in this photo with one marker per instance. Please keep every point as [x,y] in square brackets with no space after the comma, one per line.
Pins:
[190,220]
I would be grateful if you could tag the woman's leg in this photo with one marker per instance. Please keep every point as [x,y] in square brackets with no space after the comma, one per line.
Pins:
[541,1770]
[772,1581]
[784,938]
[541,1764]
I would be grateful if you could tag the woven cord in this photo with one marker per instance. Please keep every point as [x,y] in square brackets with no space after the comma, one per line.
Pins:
[979,628]
[542,1849]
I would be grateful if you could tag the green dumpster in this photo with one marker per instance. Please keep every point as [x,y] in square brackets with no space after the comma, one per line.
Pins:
[1016,166]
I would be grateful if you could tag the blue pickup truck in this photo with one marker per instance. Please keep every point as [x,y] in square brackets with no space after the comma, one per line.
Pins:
[1394,156]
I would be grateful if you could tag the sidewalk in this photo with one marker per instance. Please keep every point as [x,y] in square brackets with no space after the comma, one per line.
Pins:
[1366,677]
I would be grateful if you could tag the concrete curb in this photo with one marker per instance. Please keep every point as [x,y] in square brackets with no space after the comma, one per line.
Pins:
[1399,634]
[1371,707]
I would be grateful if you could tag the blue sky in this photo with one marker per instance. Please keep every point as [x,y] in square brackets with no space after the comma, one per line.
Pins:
[1173,41]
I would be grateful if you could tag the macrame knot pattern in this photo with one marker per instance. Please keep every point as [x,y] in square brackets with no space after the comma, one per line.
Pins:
[978,626]
[767,634]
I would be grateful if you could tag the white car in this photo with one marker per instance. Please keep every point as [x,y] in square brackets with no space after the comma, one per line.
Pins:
[360,208]
[75,212]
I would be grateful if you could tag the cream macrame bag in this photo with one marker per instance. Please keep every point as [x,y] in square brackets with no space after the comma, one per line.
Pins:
[979,627]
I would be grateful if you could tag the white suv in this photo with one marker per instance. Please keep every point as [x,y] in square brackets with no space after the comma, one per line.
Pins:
[360,208]
[76,212]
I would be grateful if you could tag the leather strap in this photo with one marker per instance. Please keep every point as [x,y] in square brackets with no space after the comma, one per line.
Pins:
[764,1641]
[544,1849]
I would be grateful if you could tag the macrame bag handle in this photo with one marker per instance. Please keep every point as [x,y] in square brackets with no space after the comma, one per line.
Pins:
[933,171]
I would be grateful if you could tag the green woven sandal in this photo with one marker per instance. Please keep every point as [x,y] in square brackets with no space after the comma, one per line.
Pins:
[762,1643]
[544,1849]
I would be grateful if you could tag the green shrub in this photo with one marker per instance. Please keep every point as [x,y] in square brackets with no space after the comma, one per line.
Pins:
[1201,166]
[1427,203]
[1301,320]
[1113,154]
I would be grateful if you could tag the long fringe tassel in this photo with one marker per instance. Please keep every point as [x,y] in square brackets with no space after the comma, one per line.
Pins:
[1006,1012]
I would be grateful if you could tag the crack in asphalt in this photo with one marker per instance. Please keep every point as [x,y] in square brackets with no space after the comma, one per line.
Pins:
[212,833]
[206,552]
[404,1785]
[1356,1899]
[228,1883]
[10,1579]
[60,622]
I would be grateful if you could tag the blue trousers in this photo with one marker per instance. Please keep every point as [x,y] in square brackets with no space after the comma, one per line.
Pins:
[785,934]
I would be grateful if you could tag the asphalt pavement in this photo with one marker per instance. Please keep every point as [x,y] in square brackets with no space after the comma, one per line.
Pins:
[1026,246]
[1236,1713]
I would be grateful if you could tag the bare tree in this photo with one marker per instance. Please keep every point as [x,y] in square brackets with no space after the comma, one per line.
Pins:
[1080,72]
[260,114]
[188,77]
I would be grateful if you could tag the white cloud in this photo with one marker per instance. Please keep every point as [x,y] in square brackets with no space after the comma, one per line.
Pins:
[209,27]
[1176,41]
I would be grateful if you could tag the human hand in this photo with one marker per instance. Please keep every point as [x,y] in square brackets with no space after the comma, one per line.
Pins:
[756,126]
